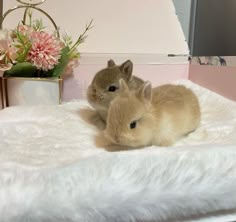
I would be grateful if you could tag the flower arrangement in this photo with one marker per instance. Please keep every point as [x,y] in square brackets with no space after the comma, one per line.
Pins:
[31,51]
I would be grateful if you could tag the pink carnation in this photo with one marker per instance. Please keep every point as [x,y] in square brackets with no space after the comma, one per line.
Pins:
[45,50]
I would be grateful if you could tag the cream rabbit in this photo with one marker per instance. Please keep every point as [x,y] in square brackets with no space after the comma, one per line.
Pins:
[147,116]
[105,85]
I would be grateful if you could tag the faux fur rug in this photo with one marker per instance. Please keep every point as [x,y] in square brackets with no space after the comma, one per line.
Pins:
[50,169]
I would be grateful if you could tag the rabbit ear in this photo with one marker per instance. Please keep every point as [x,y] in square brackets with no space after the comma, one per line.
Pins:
[145,92]
[123,86]
[127,68]
[111,63]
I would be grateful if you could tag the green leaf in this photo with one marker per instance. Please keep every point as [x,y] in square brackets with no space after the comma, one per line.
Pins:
[24,44]
[22,56]
[63,61]
[24,69]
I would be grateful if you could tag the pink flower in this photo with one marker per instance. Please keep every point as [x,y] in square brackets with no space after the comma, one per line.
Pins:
[4,40]
[5,67]
[73,63]
[45,50]
[7,51]
[25,29]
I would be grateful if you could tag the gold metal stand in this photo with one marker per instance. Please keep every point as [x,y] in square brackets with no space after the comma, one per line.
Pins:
[27,5]
[2,91]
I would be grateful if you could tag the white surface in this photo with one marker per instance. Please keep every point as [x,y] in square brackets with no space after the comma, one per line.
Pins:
[50,168]
[220,218]
[120,26]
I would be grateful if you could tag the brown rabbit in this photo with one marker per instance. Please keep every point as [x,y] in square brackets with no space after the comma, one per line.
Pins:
[147,116]
[105,85]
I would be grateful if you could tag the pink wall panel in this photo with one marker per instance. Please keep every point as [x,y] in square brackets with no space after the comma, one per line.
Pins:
[220,79]
[75,87]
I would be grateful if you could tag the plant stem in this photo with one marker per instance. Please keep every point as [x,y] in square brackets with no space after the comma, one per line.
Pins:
[81,37]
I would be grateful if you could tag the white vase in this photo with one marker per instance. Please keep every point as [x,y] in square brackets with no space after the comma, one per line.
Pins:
[32,91]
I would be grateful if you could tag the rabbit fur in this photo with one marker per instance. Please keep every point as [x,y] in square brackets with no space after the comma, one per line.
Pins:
[147,116]
[105,85]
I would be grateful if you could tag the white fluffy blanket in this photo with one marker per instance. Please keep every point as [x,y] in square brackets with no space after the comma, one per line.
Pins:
[50,169]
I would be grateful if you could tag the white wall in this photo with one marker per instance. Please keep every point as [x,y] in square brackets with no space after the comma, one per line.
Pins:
[121,26]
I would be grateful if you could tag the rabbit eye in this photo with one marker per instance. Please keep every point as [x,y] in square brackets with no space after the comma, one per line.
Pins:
[112,88]
[132,125]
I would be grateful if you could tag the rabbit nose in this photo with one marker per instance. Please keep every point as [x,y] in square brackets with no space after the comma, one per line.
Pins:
[94,96]
[113,138]
[117,139]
